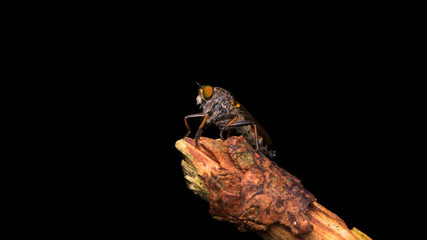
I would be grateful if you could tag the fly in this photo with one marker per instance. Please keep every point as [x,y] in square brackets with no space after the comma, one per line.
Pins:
[220,109]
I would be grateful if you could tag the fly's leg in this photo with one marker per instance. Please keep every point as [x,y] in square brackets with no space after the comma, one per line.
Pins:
[200,129]
[244,123]
[234,118]
[228,133]
[197,115]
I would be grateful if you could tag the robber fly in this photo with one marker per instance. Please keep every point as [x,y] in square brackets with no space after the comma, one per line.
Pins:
[220,109]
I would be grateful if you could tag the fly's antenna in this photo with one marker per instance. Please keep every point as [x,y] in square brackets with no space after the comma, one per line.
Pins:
[198,84]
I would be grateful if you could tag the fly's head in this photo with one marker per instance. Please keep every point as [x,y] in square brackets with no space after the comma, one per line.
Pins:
[213,99]
[206,93]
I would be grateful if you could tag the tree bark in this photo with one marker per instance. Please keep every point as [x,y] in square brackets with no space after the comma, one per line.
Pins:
[252,192]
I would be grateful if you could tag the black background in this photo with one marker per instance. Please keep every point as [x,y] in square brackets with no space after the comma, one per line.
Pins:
[333,107]
[330,124]
[104,94]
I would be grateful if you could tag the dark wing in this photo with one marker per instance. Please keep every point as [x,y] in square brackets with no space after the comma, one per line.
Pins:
[261,130]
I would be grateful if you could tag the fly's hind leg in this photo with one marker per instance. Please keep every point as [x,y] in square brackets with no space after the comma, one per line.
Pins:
[244,123]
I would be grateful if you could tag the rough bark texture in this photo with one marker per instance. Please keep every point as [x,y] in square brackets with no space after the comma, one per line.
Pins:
[255,194]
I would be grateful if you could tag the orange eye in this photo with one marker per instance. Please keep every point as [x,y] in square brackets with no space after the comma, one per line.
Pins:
[207,92]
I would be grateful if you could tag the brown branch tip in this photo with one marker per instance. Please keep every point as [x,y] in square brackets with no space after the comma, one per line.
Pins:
[252,192]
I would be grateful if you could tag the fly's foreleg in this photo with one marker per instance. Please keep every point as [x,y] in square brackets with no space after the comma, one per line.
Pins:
[200,129]
[197,115]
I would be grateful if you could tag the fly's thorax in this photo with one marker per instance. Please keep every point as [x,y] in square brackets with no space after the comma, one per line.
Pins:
[221,104]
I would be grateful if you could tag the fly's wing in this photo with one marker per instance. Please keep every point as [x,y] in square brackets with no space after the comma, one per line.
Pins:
[261,131]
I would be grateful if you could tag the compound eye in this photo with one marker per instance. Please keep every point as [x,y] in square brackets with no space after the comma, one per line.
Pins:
[207,92]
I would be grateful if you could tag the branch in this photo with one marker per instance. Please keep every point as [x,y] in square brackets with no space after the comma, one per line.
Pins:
[255,194]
